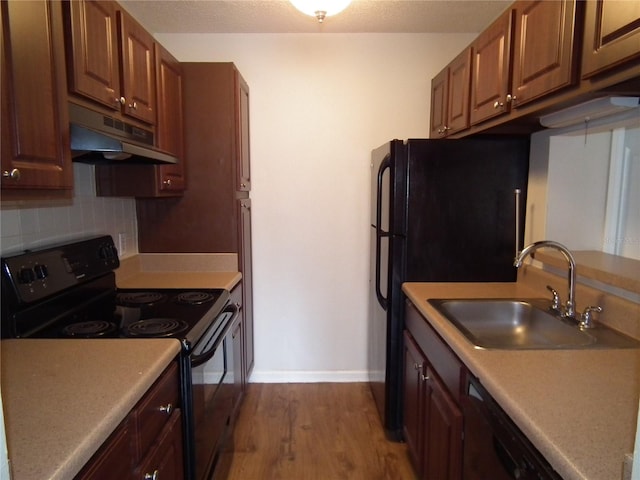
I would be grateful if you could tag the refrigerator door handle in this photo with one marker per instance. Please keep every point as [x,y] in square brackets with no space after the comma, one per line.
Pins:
[380,233]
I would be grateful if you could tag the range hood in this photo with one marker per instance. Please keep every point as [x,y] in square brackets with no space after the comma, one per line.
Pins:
[98,138]
[598,110]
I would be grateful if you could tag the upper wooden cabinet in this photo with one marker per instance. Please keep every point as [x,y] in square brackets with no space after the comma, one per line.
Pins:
[93,60]
[450,97]
[110,58]
[169,125]
[611,35]
[151,181]
[527,64]
[544,53]
[35,125]
[490,78]
[242,134]
[138,69]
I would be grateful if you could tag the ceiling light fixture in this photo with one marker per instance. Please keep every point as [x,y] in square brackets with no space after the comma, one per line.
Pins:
[320,8]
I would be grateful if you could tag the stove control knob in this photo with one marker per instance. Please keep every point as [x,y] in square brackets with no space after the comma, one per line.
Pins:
[26,275]
[41,271]
[106,252]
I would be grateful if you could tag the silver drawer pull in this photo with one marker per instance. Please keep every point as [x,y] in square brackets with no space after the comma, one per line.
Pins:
[13,174]
[152,476]
[168,408]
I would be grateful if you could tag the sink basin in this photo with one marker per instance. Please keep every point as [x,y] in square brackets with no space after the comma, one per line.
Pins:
[523,324]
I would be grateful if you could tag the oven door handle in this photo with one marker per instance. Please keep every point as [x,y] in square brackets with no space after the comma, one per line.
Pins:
[197,360]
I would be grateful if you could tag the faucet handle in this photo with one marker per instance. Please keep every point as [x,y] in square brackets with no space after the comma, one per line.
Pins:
[586,319]
[555,302]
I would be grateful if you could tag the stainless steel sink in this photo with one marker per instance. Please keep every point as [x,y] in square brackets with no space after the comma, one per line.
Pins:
[523,324]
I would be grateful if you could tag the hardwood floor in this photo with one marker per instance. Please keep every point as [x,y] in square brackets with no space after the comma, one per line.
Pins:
[314,431]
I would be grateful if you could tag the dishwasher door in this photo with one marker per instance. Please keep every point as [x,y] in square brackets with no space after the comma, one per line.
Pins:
[494,447]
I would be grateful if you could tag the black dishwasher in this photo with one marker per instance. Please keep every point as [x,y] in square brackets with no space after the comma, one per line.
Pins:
[494,447]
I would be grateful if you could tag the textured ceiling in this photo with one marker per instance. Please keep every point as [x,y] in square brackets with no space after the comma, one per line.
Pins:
[279,16]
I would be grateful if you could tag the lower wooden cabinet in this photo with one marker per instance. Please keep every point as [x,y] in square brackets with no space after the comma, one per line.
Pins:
[433,421]
[148,443]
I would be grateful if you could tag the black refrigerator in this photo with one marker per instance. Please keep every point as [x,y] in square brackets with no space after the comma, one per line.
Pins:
[441,211]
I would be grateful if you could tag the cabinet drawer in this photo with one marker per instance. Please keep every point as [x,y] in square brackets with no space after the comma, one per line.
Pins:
[156,407]
[438,353]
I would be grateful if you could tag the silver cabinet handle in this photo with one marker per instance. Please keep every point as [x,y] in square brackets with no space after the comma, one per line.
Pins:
[13,174]
[133,106]
[167,182]
[417,366]
[498,105]
[152,476]
[517,192]
[168,408]
[511,98]
[121,100]
[424,377]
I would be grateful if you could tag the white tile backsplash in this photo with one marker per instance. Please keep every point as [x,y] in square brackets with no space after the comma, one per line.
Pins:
[26,227]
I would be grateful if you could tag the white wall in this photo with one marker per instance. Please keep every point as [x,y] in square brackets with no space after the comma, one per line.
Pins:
[573,195]
[319,105]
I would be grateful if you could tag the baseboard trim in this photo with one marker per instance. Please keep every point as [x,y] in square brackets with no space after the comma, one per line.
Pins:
[337,376]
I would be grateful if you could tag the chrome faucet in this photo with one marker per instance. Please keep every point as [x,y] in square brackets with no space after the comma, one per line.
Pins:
[570,305]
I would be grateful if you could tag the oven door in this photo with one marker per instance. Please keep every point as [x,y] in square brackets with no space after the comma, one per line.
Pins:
[213,394]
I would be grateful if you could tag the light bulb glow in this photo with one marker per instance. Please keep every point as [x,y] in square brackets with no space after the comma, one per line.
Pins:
[320,8]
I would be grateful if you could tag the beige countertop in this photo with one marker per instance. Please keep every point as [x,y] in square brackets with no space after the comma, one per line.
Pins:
[578,407]
[179,270]
[63,398]
[226,280]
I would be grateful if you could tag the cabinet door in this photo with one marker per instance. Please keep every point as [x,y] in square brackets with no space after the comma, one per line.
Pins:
[35,125]
[458,97]
[242,135]
[92,40]
[490,80]
[439,96]
[246,268]
[115,459]
[171,178]
[612,35]
[414,370]
[138,69]
[165,459]
[542,67]
[442,448]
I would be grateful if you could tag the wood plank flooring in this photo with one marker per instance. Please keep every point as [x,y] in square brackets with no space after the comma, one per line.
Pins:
[314,431]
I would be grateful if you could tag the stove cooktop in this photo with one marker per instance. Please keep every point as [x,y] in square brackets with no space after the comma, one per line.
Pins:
[138,313]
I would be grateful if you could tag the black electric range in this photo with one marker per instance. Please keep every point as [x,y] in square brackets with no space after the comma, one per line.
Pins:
[69,291]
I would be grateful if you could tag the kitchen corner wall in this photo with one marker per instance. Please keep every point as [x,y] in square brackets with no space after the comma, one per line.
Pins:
[319,104]
[60,221]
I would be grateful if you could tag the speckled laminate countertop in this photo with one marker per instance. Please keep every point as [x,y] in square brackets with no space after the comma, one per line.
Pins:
[63,398]
[174,270]
[578,407]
